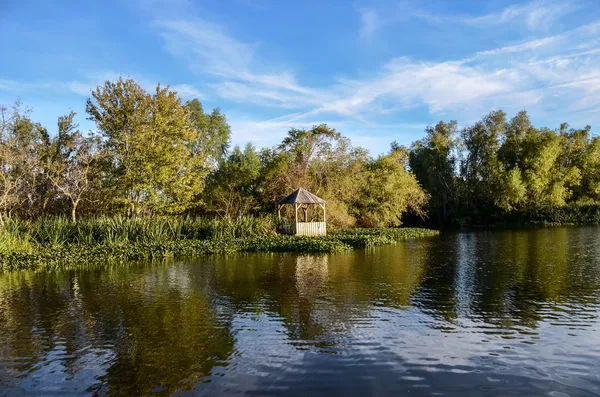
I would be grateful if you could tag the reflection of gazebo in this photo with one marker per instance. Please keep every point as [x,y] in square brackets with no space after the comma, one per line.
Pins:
[302,199]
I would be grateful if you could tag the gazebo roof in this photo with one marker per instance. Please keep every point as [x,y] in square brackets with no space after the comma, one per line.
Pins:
[301,196]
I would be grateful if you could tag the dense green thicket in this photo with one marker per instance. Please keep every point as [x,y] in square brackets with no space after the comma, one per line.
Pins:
[500,170]
[54,244]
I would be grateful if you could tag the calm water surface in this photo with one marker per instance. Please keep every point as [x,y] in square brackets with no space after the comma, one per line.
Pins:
[485,313]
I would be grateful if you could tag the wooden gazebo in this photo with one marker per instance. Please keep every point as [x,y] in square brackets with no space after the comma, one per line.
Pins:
[307,224]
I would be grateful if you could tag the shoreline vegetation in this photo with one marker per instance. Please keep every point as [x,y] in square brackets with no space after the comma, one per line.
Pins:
[158,177]
[59,244]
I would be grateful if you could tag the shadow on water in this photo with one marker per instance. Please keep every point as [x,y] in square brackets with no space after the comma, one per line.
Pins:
[466,313]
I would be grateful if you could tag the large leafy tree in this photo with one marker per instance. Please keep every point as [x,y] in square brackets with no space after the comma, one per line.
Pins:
[433,162]
[150,142]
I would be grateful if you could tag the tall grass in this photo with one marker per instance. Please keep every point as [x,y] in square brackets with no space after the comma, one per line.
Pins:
[22,236]
[55,244]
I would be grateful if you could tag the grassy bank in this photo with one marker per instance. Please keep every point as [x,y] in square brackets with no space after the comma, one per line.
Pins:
[56,244]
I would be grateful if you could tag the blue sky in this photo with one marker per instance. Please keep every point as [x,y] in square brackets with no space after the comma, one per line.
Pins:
[376,71]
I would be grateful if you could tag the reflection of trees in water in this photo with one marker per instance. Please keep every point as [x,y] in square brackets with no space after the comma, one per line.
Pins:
[148,331]
[505,278]
[320,298]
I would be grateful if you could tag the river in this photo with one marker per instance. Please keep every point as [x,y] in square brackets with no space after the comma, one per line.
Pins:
[478,313]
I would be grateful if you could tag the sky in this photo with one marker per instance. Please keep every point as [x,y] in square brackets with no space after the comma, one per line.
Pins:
[377,71]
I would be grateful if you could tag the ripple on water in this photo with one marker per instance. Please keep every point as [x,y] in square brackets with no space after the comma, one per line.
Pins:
[502,313]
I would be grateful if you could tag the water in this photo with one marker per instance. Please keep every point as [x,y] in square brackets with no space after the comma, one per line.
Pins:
[485,313]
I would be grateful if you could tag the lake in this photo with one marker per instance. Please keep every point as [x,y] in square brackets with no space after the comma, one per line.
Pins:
[478,313]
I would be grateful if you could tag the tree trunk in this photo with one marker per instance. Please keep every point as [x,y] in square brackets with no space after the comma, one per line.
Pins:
[74,211]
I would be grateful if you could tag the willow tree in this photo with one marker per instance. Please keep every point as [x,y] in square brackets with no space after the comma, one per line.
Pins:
[480,167]
[149,140]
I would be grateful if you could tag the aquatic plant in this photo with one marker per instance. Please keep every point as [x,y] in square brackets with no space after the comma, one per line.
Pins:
[54,244]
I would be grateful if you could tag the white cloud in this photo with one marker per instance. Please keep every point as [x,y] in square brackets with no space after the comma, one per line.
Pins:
[464,88]
[534,14]
[586,31]
[187,91]
[87,83]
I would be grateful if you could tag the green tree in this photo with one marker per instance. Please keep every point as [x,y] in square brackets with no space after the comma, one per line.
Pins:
[304,146]
[22,144]
[390,191]
[70,167]
[480,168]
[433,161]
[213,132]
[231,188]
[149,140]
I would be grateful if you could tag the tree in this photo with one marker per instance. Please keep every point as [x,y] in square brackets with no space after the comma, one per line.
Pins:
[480,168]
[390,191]
[338,175]
[9,159]
[70,168]
[231,188]
[150,141]
[21,148]
[213,132]
[433,162]
[303,146]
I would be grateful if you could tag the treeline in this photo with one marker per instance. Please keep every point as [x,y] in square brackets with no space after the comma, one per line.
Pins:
[153,155]
[500,169]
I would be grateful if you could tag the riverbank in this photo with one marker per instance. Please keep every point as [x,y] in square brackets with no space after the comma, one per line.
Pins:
[60,245]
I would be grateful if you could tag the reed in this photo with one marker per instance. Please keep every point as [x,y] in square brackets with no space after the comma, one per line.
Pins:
[58,244]
[56,232]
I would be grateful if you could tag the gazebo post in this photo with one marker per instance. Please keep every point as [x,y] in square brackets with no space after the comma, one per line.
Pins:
[296,213]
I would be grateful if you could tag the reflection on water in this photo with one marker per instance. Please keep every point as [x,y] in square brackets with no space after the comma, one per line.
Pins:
[486,313]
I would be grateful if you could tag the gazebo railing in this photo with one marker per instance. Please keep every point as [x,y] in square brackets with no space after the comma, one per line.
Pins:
[304,228]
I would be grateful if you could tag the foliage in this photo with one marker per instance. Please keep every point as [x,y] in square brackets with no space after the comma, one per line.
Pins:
[509,170]
[156,156]
[213,132]
[433,161]
[57,244]
[390,191]
[150,145]
[231,188]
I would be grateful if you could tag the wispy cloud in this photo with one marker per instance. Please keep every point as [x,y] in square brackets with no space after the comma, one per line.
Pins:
[238,73]
[533,14]
[86,83]
[465,87]
[369,22]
